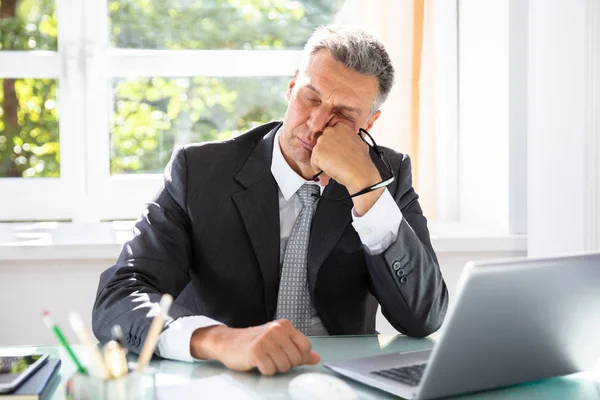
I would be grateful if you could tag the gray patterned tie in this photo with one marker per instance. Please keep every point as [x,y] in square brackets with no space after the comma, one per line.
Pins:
[293,301]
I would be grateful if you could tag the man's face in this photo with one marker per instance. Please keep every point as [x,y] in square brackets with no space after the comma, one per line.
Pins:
[324,94]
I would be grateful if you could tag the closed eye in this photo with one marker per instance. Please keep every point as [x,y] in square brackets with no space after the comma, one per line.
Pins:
[349,118]
[312,99]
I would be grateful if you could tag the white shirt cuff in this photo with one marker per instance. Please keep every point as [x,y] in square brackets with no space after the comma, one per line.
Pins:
[174,342]
[378,228]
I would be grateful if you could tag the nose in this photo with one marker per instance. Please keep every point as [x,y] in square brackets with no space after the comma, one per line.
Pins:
[320,117]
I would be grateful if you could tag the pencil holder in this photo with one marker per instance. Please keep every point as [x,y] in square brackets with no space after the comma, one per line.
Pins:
[134,386]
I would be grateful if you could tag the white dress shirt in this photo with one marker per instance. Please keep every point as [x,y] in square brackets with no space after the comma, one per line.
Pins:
[377,229]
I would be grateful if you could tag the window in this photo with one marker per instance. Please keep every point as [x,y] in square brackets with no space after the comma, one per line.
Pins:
[29,145]
[151,116]
[29,132]
[92,106]
[492,114]
[100,92]
[32,160]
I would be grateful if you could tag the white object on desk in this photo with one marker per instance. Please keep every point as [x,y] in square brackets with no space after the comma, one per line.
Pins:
[219,387]
[317,386]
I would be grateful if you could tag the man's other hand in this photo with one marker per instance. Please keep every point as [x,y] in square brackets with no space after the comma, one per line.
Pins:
[274,347]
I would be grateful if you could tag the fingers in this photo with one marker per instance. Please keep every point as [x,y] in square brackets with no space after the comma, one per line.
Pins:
[279,357]
[280,348]
[341,153]
[314,163]
[301,342]
[266,366]
[261,358]
[287,347]
[324,179]
[341,126]
[313,358]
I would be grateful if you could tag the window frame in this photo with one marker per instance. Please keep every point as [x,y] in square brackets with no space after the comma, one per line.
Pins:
[60,195]
[509,216]
[447,108]
[85,66]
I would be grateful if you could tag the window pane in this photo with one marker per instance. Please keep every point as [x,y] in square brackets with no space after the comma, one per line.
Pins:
[27,25]
[153,115]
[29,128]
[217,24]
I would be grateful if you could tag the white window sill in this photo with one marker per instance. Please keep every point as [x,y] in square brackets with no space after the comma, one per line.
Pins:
[103,241]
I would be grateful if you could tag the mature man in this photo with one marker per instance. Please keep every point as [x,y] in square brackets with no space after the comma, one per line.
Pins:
[259,253]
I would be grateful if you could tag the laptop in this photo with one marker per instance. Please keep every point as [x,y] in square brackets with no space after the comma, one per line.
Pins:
[513,321]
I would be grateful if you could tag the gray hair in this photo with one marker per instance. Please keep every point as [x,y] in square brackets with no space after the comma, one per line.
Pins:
[358,51]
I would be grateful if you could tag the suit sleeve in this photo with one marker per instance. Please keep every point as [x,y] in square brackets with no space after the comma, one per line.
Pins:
[406,277]
[154,262]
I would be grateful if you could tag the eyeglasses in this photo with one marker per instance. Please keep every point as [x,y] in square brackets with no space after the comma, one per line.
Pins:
[368,139]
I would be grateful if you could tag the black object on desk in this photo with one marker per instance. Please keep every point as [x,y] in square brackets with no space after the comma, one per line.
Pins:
[38,386]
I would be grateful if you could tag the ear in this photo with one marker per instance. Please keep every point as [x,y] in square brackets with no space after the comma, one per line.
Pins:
[372,120]
[291,85]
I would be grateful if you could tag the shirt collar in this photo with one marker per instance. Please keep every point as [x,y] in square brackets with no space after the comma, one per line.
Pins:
[287,179]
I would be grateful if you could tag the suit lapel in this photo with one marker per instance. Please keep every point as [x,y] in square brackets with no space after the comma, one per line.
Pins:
[328,225]
[258,205]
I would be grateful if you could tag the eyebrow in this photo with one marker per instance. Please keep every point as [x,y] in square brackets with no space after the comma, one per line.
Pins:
[338,107]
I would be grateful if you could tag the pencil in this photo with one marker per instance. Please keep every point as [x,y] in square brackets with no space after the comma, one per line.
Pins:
[86,340]
[116,359]
[61,339]
[117,335]
[154,332]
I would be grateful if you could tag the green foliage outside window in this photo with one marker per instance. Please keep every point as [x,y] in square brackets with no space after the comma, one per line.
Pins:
[28,109]
[152,115]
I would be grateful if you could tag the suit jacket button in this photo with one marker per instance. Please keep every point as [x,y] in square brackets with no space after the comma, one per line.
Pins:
[400,272]
[403,279]
[396,265]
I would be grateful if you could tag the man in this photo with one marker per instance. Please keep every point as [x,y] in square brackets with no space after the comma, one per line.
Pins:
[250,238]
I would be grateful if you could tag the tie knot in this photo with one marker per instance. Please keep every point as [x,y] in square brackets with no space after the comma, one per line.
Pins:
[308,194]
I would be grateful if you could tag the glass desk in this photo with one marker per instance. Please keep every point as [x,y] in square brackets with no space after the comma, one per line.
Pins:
[210,380]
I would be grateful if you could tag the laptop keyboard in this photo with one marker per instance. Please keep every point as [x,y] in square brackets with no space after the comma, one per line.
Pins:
[410,375]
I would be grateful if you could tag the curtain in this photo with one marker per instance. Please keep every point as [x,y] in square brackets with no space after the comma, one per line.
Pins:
[407,123]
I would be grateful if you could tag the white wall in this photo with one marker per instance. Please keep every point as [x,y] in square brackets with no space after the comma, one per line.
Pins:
[29,287]
[492,83]
[483,85]
[518,114]
[564,109]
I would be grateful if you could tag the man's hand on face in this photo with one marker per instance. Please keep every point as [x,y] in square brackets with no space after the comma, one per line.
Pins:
[342,155]
[274,347]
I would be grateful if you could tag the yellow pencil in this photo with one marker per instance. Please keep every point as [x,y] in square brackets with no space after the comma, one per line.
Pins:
[154,332]
[86,340]
[116,359]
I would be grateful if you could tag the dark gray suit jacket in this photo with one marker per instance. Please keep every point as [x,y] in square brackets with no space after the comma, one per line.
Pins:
[211,238]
